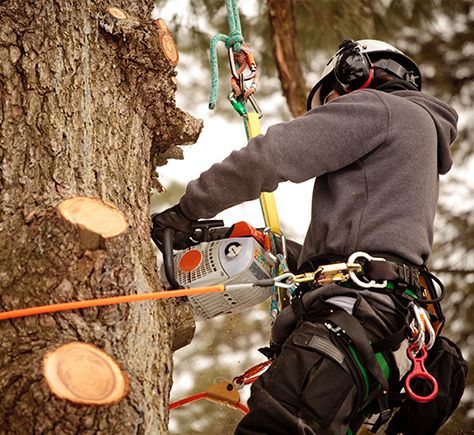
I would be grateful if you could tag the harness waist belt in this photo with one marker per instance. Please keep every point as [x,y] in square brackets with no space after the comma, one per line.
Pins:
[393,269]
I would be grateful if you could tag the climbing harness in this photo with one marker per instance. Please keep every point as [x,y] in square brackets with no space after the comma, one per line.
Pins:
[364,271]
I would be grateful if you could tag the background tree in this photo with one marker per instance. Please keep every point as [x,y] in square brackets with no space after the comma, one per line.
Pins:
[87,109]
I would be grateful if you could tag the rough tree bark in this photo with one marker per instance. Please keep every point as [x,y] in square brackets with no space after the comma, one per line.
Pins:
[285,53]
[86,109]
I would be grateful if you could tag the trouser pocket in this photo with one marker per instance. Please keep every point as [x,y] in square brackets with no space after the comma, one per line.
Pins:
[312,377]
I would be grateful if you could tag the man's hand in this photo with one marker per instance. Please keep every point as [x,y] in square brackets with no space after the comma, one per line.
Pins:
[175,219]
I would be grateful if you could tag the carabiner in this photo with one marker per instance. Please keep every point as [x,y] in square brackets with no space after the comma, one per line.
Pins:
[417,327]
[255,106]
[233,68]
[419,371]
[354,277]
[237,105]
[428,328]
[289,277]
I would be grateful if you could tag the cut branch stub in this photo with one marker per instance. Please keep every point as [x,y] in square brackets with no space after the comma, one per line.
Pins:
[82,373]
[167,42]
[95,219]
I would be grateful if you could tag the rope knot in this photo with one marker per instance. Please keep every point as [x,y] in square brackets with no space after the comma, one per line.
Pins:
[235,41]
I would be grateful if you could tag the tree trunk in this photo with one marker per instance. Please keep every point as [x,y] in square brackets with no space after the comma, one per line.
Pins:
[87,109]
[285,53]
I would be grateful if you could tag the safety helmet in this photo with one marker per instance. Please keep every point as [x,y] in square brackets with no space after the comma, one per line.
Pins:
[352,67]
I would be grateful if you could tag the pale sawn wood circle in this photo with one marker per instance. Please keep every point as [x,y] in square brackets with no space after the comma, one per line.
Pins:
[161,24]
[169,48]
[94,215]
[82,373]
[117,13]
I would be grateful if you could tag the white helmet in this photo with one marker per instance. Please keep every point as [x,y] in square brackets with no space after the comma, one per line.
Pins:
[352,67]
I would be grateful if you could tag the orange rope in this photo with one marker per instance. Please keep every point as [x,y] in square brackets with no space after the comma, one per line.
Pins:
[243,408]
[109,301]
[189,399]
[252,374]
[205,395]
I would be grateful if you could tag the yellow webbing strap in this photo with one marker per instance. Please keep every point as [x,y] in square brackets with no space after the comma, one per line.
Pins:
[267,199]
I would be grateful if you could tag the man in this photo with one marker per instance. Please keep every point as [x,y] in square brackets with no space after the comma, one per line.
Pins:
[375,146]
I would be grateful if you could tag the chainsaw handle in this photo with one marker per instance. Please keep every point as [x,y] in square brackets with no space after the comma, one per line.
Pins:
[167,251]
[166,247]
[205,226]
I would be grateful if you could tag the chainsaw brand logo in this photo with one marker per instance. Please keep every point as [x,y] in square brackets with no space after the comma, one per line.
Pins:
[233,249]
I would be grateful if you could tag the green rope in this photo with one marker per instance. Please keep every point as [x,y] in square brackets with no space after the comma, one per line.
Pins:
[234,39]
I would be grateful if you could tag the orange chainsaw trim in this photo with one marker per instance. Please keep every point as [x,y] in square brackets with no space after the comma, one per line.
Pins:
[243,229]
[33,311]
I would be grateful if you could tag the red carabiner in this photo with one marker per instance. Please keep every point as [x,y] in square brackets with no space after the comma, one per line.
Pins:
[419,371]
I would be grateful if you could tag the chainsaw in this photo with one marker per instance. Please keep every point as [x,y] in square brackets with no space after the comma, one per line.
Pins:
[231,256]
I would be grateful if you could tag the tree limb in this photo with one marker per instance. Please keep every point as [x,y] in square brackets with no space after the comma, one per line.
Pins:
[283,34]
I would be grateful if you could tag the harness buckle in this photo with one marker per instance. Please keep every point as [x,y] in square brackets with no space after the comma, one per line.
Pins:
[355,278]
[338,331]
[328,273]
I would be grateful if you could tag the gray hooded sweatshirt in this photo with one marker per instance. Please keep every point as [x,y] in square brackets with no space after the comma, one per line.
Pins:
[375,157]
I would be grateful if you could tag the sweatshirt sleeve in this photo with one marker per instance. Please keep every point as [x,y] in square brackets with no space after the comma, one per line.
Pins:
[324,140]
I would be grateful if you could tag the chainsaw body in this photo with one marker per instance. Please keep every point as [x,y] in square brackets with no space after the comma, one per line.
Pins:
[230,260]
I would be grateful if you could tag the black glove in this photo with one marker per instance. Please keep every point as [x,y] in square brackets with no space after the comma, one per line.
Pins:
[175,219]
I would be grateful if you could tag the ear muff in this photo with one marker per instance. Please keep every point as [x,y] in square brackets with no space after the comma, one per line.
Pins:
[353,68]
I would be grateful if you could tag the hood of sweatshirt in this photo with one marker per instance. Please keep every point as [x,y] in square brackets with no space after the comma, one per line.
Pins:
[445,120]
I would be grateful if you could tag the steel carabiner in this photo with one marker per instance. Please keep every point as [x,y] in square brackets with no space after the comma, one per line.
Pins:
[417,326]
[233,68]
[428,328]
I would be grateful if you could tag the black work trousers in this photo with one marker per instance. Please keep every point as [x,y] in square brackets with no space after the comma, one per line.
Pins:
[309,388]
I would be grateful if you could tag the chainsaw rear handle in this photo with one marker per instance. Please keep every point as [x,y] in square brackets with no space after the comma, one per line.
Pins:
[167,250]
[166,246]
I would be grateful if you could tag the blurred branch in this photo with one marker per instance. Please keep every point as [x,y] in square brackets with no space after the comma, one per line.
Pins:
[453,271]
[283,35]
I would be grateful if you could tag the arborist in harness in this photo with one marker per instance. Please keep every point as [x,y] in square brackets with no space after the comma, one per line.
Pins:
[376,146]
